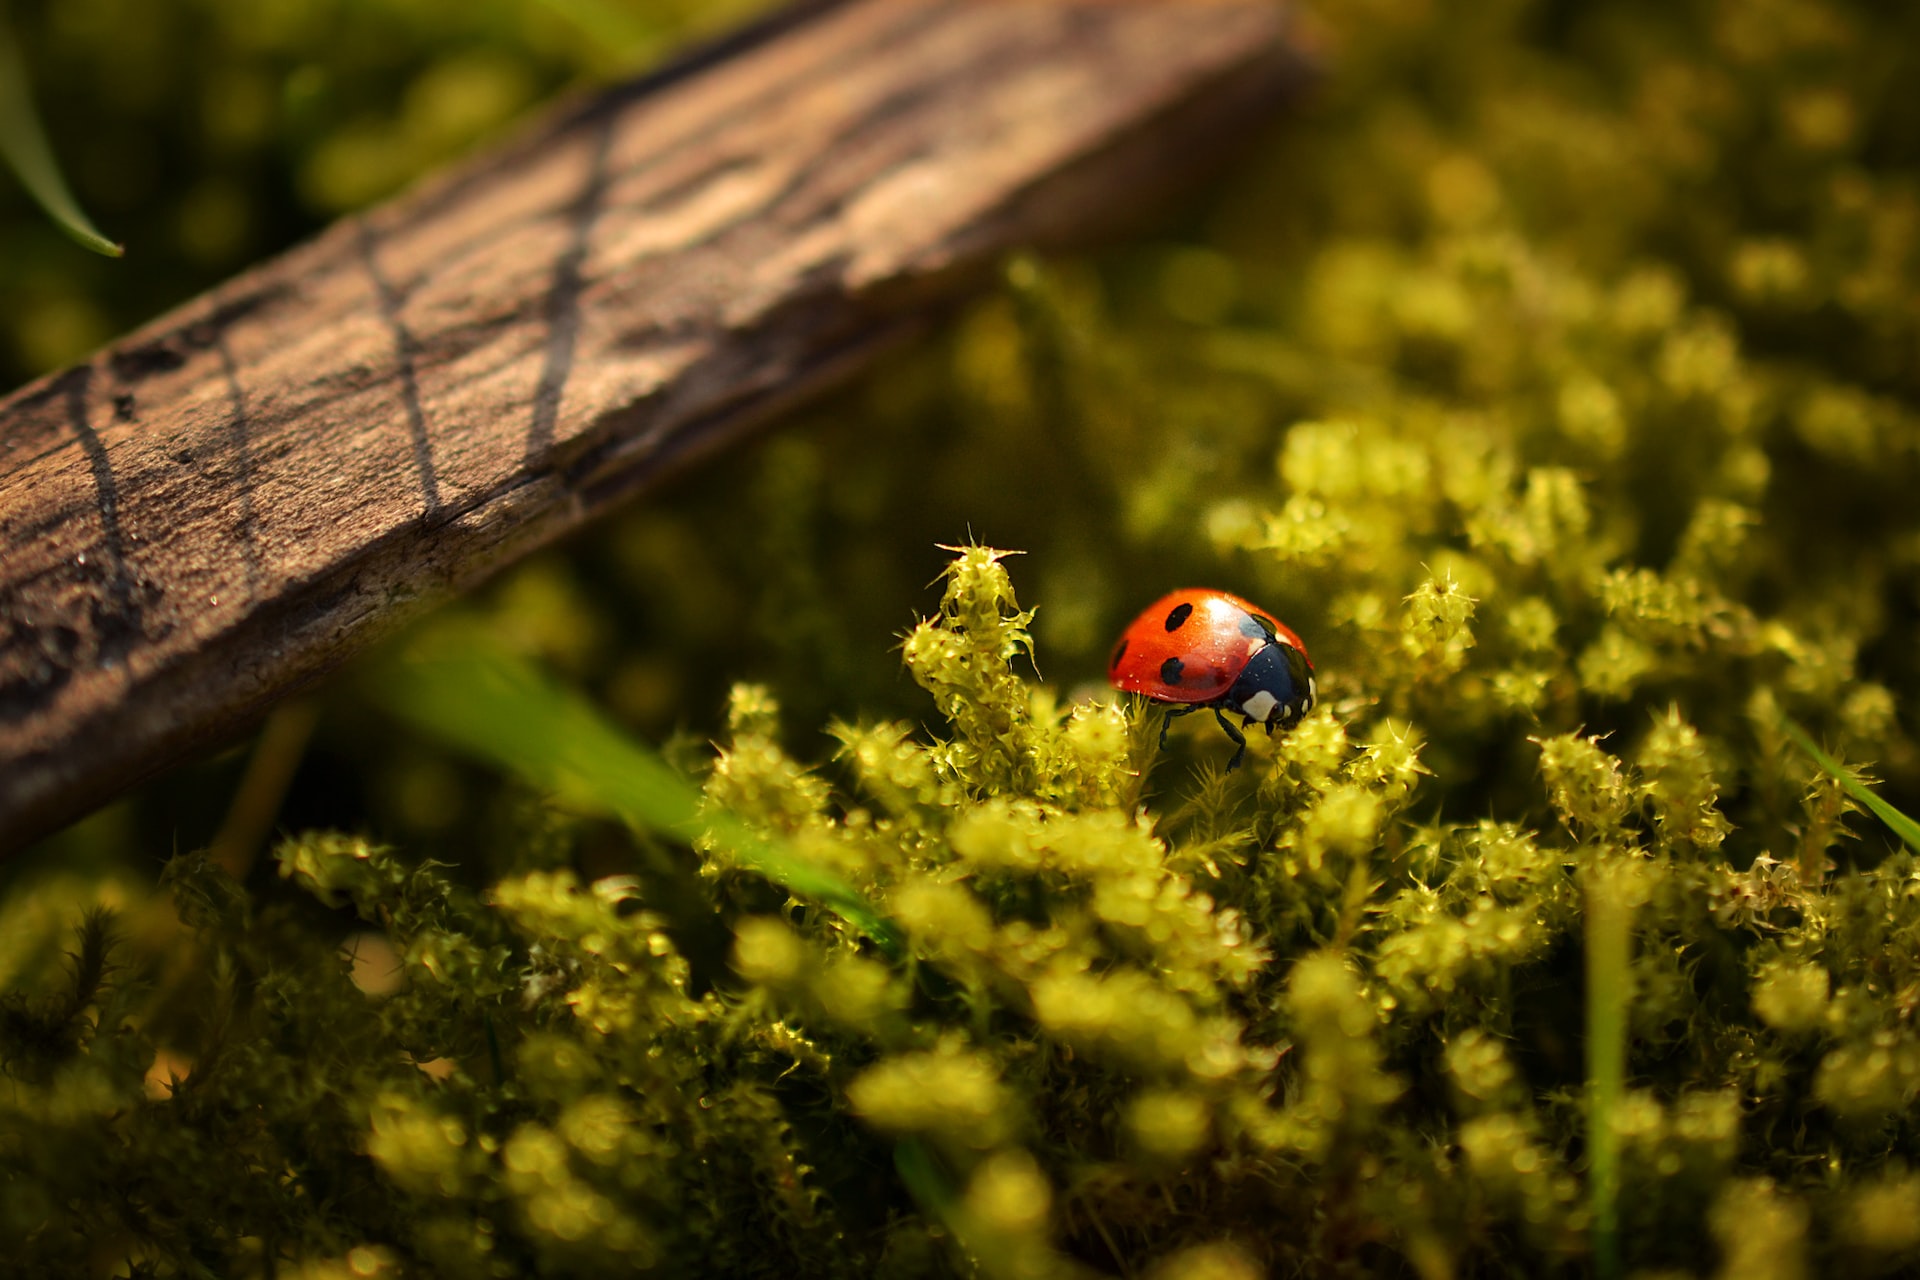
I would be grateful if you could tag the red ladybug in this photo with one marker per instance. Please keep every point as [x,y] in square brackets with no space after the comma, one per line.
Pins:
[1197,649]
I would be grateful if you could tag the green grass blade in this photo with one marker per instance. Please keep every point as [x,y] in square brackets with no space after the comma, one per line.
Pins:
[925,1181]
[23,145]
[1611,895]
[1903,826]
[492,705]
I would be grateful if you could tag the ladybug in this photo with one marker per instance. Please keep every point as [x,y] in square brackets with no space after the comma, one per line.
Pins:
[1198,649]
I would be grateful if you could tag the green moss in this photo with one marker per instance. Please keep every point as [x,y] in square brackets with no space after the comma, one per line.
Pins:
[1552,377]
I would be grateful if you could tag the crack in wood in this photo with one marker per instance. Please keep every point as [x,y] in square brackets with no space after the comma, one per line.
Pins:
[406,356]
[563,299]
[117,620]
[239,427]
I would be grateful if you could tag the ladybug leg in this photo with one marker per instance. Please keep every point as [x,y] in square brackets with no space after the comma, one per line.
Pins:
[1167,722]
[1239,740]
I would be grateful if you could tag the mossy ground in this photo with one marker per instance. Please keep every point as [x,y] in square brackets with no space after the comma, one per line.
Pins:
[1554,374]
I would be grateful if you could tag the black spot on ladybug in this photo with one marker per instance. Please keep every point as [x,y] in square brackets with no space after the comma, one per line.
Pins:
[1181,612]
[1171,669]
[1119,652]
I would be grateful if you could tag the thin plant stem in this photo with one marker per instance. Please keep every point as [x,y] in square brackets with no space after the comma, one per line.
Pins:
[263,787]
[1611,896]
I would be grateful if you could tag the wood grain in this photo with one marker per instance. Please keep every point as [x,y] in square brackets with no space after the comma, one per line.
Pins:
[213,511]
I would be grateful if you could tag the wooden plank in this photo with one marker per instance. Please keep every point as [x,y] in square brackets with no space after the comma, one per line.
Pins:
[213,511]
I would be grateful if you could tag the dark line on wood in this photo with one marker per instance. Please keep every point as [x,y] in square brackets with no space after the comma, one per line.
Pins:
[18,421]
[230,310]
[563,299]
[168,349]
[693,62]
[406,352]
[136,361]
[142,360]
[808,195]
[120,623]
[903,24]
[907,23]
[240,435]
[704,57]
[713,168]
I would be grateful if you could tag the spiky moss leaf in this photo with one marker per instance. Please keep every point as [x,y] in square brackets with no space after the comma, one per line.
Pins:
[40,1034]
[1901,825]
[964,659]
[1588,787]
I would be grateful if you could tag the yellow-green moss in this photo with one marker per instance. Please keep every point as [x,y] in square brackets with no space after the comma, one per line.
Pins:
[1552,376]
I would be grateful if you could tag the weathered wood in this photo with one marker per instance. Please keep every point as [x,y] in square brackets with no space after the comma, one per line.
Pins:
[214,510]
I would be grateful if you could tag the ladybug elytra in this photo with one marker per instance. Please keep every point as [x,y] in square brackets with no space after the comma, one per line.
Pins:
[1197,649]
